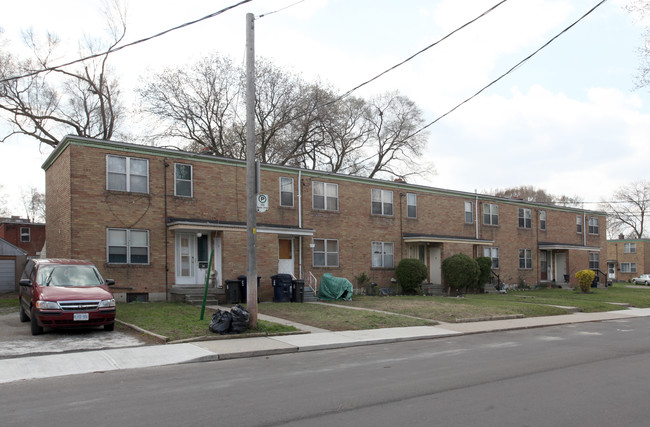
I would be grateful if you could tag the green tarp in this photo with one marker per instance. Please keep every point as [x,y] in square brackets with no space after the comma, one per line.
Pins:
[332,288]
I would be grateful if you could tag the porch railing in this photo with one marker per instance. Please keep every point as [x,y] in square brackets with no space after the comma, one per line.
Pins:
[312,282]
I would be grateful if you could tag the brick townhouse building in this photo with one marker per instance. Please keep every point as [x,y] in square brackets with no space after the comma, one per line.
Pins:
[149,217]
[20,239]
[627,258]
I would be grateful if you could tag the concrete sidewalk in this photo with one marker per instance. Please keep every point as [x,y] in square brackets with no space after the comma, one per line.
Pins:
[157,355]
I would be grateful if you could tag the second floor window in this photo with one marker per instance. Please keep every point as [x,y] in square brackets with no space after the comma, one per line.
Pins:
[490,214]
[183,180]
[286,192]
[411,205]
[542,220]
[24,234]
[382,202]
[525,218]
[629,248]
[127,174]
[325,196]
[593,225]
[469,213]
[579,224]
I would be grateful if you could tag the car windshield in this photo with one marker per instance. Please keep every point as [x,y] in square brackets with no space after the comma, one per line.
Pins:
[69,275]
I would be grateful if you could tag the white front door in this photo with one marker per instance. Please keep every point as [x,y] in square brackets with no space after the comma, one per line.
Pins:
[285,256]
[435,265]
[186,259]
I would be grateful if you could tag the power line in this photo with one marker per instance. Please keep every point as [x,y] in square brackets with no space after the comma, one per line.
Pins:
[279,10]
[162,33]
[509,71]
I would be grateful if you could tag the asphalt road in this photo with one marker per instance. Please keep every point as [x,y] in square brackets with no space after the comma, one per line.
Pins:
[16,339]
[592,374]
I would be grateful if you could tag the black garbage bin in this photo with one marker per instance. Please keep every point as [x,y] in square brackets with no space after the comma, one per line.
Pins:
[281,287]
[233,291]
[594,284]
[298,290]
[244,291]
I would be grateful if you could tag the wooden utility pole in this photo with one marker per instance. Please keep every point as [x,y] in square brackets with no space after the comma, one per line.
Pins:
[251,179]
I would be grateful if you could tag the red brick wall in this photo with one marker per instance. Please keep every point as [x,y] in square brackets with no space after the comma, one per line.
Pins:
[78,179]
[11,232]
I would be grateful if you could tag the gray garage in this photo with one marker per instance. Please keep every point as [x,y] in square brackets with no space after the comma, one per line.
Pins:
[12,259]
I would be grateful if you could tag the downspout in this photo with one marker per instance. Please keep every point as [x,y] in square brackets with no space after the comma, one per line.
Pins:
[300,275]
[165,229]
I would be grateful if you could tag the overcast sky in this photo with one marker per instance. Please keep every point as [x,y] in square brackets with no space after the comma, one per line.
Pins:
[568,121]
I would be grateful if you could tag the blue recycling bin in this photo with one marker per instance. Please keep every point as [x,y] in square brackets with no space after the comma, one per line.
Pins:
[281,287]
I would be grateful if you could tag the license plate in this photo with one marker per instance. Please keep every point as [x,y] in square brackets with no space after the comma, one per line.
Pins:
[80,316]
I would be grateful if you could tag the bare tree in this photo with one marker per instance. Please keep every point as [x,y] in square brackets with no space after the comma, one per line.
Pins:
[46,102]
[4,212]
[299,123]
[532,194]
[641,10]
[627,210]
[34,203]
[393,120]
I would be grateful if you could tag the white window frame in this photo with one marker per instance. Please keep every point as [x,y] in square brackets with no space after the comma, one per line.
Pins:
[411,205]
[594,260]
[542,220]
[383,254]
[526,259]
[469,213]
[128,245]
[628,267]
[493,254]
[285,182]
[492,214]
[525,217]
[128,174]
[328,250]
[593,225]
[382,199]
[329,193]
[177,180]
[25,234]
[579,224]
[629,248]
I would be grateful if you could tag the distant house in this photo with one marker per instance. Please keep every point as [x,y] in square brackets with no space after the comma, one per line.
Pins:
[627,258]
[24,234]
[12,261]
[150,217]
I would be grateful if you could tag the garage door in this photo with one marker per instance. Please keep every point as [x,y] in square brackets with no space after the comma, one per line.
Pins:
[7,275]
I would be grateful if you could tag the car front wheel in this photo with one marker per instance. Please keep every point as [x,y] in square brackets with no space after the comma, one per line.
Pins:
[109,327]
[36,328]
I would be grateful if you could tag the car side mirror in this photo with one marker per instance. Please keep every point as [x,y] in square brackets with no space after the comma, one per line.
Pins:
[25,282]
[110,282]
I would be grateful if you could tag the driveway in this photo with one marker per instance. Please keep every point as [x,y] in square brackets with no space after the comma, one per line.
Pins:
[17,340]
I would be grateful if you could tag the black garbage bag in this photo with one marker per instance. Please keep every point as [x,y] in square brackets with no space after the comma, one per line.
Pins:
[221,322]
[240,319]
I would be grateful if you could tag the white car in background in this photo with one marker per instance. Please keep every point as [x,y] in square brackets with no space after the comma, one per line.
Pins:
[643,279]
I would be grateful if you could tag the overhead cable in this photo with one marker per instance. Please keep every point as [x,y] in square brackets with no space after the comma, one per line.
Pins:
[162,33]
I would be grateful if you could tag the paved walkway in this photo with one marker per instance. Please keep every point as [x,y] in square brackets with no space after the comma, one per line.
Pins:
[25,368]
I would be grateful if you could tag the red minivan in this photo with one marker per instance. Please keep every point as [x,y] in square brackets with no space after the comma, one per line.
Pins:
[65,293]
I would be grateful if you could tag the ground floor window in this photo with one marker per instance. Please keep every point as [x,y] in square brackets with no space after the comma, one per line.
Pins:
[594,260]
[492,253]
[628,267]
[525,259]
[382,255]
[326,253]
[125,246]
